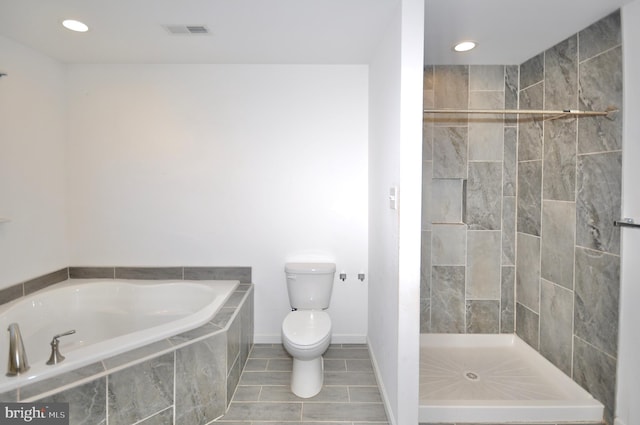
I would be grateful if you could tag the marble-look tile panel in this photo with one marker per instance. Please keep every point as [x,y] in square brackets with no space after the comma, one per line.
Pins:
[48,279]
[529,197]
[511,89]
[233,378]
[597,295]
[486,77]
[561,75]
[528,271]
[447,299]
[531,127]
[507,300]
[233,342]
[484,196]
[243,274]
[427,78]
[427,178]
[560,160]
[137,354]
[425,265]
[446,200]
[600,36]
[92,272]
[486,132]
[247,328]
[598,202]
[527,325]
[450,152]
[427,139]
[425,315]
[138,392]
[483,265]
[448,244]
[33,390]
[86,402]
[556,325]
[163,418]
[149,273]
[595,371]
[510,161]
[200,381]
[532,71]
[558,236]
[451,87]
[601,89]
[509,231]
[483,316]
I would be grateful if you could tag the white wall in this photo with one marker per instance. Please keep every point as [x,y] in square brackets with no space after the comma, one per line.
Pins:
[229,165]
[628,391]
[395,160]
[32,146]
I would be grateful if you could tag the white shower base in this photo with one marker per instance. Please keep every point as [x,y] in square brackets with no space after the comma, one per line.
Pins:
[496,378]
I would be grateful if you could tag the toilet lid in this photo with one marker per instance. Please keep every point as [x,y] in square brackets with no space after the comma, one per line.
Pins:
[306,327]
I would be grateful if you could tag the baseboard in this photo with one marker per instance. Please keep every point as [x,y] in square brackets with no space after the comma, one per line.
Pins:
[335,339]
[383,391]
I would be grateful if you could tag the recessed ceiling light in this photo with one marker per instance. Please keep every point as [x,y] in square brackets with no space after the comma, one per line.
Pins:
[73,25]
[465,46]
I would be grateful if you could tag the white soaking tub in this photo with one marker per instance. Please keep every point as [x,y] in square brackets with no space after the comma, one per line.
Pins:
[496,379]
[109,317]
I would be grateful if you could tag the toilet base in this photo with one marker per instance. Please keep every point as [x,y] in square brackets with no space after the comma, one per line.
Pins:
[307,377]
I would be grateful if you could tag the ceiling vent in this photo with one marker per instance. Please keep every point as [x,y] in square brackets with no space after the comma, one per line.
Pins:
[187,29]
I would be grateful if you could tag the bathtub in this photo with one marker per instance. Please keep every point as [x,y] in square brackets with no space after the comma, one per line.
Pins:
[109,317]
[496,379]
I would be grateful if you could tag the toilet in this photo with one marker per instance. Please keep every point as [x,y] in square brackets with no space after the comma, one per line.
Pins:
[306,331]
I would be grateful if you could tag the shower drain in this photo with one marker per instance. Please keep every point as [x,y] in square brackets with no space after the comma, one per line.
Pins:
[471,376]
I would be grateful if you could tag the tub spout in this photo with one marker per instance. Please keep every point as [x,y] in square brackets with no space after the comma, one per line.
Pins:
[18,362]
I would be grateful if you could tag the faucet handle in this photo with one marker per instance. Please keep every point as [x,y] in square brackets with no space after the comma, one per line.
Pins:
[56,357]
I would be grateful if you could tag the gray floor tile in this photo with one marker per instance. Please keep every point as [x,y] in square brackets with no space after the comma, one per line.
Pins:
[283,393]
[363,365]
[349,378]
[269,352]
[346,353]
[335,365]
[265,378]
[256,365]
[264,411]
[247,393]
[343,412]
[281,365]
[364,394]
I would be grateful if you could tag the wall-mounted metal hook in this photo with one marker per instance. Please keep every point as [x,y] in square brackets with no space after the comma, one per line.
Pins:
[361,277]
[2,74]
[343,276]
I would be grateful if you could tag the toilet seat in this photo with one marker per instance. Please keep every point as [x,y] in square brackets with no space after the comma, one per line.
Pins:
[307,328]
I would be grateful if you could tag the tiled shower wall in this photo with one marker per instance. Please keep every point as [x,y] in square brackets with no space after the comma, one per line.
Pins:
[567,194]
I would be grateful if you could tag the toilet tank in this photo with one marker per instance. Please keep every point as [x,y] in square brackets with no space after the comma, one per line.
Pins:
[309,285]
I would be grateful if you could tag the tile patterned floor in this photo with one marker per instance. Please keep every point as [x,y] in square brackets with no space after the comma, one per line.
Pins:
[350,395]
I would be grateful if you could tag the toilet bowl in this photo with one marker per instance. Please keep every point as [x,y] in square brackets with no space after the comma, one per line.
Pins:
[306,335]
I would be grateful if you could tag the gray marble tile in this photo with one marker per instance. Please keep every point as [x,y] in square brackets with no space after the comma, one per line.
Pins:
[595,372]
[265,378]
[35,389]
[560,160]
[425,315]
[233,378]
[247,393]
[451,86]
[597,295]
[223,317]
[264,411]
[200,381]
[359,365]
[335,365]
[356,412]
[483,265]
[532,71]
[9,396]
[484,196]
[528,271]
[486,77]
[427,138]
[425,265]
[486,132]
[447,299]
[139,391]
[427,180]
[600,36]
[557,245]
[601,89]
[448,244]
[246,327]
[511,88]
[450,152]
[87,404]
[446,200]
[561,75]
[266,351]
[531,127]
[162,418]
[556,325]
[529,197]
[256,365]
[483,316]
[282,393]
[510,161]
[527,325]
[508,231]
[364,394]
[427,78]
[48,279]
[361,352]
[137,354]
[11,293]
[598,202]
[507,300]
[233,342]
[349,378]
[281,365]
[235,299]
[149,273]
[196,333]
[243,274]
[92,272]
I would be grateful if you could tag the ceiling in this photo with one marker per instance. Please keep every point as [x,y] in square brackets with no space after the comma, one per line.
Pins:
[290,31]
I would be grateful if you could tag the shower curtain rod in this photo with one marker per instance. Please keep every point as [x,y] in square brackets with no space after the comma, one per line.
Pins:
[559,113]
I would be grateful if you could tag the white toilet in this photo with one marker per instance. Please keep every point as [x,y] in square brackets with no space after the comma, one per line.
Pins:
[306,331]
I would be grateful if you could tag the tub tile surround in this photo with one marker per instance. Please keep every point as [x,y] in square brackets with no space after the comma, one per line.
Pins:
[561,186]
[190,377]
